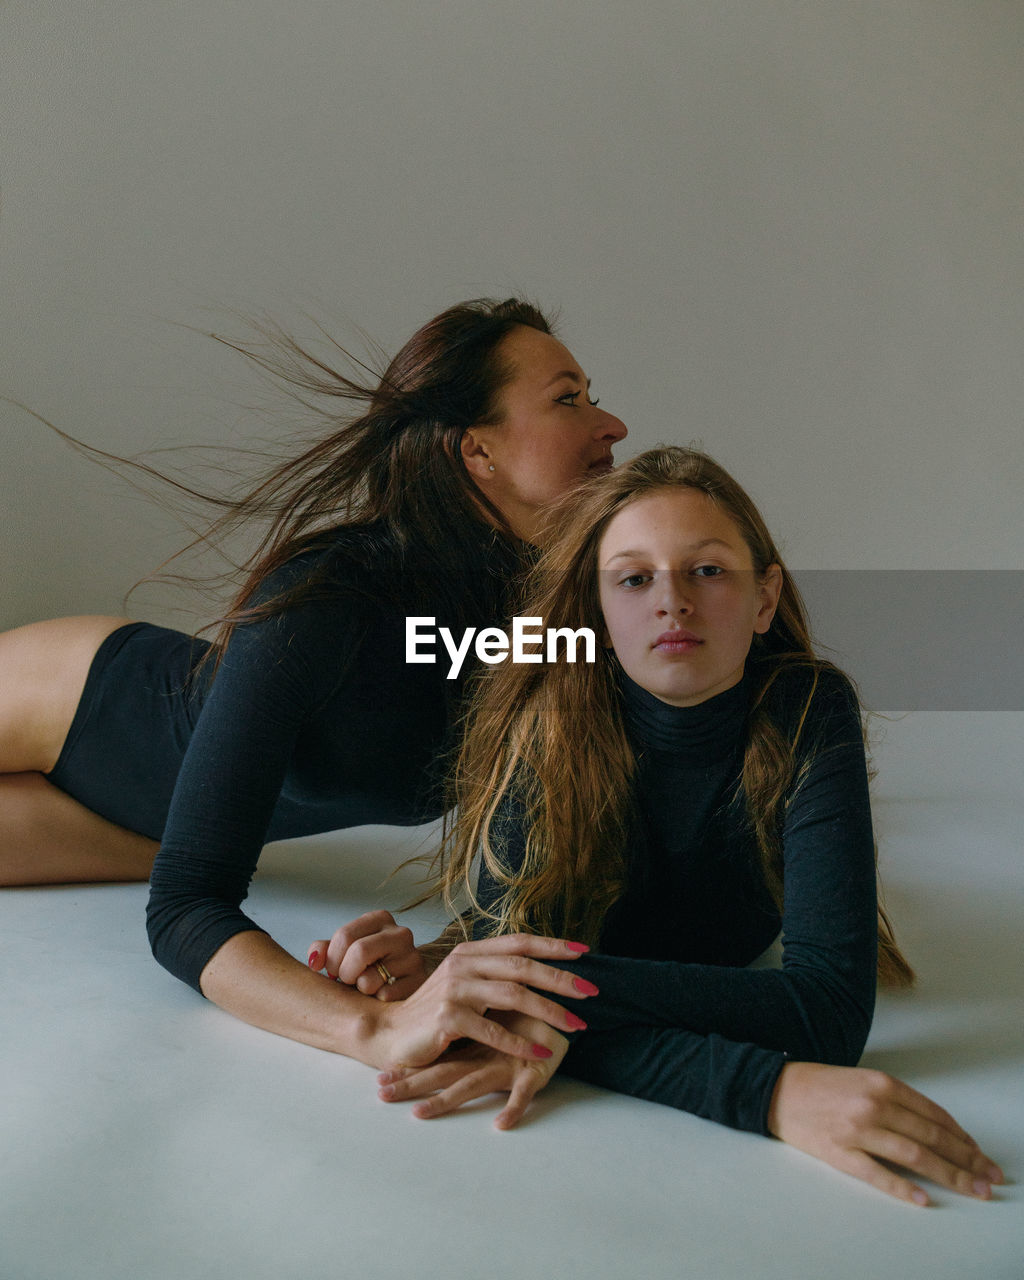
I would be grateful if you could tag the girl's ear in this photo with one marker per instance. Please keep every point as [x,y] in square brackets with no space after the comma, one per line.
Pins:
[769,590]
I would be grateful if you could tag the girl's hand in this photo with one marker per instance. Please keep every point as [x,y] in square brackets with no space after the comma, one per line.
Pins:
[863,1121]
[465,1074]
[356,950]
[477,977]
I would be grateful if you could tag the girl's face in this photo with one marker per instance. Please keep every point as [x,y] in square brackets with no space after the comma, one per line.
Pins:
[680,596]
[550,435]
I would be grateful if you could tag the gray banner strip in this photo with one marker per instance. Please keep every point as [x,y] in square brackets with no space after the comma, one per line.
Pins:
[923,639]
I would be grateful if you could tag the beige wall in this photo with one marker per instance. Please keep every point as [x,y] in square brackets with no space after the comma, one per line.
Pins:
[789,230]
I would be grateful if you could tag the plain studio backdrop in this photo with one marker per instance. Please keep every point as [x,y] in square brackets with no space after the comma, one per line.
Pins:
[788,231]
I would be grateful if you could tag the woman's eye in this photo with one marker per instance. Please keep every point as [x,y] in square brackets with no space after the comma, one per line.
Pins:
[593,402]
[570,397]
[708,571]
[634,580]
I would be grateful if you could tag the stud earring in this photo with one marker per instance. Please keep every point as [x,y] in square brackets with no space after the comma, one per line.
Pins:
[491,467]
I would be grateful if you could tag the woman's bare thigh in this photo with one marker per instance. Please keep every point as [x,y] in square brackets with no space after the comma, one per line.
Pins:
[43,667]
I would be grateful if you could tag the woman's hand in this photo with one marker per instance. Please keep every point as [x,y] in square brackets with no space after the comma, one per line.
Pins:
[863,1121]
[477,977]
[465,1074]
[367,951]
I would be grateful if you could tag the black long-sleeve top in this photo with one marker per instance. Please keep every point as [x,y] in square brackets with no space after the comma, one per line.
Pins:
[680,1018]
[314,721]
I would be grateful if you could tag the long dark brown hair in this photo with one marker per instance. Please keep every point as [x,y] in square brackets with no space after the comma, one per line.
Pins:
[393,470]
[524,732]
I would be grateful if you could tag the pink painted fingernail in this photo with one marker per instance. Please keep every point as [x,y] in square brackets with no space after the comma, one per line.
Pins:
[982,1188]
[918,1196]
[574,1023]
[580,948]
[584,987]
[314,960]
[386,1091]
[539,1051]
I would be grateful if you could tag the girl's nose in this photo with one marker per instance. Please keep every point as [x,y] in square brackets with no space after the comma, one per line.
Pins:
[674,595]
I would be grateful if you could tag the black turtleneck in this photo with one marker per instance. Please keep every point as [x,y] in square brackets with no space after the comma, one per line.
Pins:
[313,721]
[681,1019]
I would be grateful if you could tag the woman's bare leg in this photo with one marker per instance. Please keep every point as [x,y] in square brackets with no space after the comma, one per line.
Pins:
[46,837]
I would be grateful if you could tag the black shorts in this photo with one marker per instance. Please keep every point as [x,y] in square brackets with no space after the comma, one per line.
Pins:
[133,723]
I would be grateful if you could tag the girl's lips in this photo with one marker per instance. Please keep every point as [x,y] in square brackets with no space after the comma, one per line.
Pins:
[677,642]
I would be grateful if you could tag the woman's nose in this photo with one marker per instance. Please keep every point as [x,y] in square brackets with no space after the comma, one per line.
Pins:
[610,427]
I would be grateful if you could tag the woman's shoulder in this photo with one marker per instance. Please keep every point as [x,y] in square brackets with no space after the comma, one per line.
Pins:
[372,572]
[334,563]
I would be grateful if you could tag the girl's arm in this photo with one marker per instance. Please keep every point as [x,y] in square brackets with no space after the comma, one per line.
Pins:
[818,1006]
[465,1074]
[856,1120]
[861,1122]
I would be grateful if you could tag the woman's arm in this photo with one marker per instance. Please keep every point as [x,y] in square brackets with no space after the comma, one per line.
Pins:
[256,980]
[273,679]
[268,687]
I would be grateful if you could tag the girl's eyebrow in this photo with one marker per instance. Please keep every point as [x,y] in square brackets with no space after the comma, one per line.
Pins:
[566,373]
[694,546]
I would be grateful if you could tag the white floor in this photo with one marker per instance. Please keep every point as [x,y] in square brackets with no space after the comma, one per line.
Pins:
[145,1134]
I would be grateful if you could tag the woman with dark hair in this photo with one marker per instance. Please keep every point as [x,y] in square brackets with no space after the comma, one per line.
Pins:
[117,737]
[674,803]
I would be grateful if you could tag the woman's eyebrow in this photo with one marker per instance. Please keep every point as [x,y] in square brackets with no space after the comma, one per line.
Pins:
[566,373]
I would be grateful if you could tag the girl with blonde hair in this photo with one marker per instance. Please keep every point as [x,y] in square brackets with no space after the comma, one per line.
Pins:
[673,804]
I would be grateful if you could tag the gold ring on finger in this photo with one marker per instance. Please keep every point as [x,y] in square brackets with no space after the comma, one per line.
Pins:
[385,973]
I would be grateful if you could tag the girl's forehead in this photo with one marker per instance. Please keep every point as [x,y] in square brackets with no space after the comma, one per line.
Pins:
[677,515]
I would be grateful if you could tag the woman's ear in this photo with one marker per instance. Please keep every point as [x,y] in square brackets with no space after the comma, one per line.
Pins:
[476,454]
[769,589]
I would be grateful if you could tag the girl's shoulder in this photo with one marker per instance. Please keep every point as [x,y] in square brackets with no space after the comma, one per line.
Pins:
[812,700]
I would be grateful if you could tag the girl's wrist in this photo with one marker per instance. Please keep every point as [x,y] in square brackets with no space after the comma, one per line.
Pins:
[772,1119]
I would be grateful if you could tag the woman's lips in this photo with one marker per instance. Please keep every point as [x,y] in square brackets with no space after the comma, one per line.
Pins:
[677,642]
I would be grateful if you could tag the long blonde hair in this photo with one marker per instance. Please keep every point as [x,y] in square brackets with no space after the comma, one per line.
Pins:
[550,737]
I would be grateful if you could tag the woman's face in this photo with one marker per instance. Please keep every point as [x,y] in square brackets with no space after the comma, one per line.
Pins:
[680,596]
[550,435]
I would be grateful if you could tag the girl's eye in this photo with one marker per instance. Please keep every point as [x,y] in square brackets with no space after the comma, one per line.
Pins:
[708,571]
[570,397]
[634,580]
